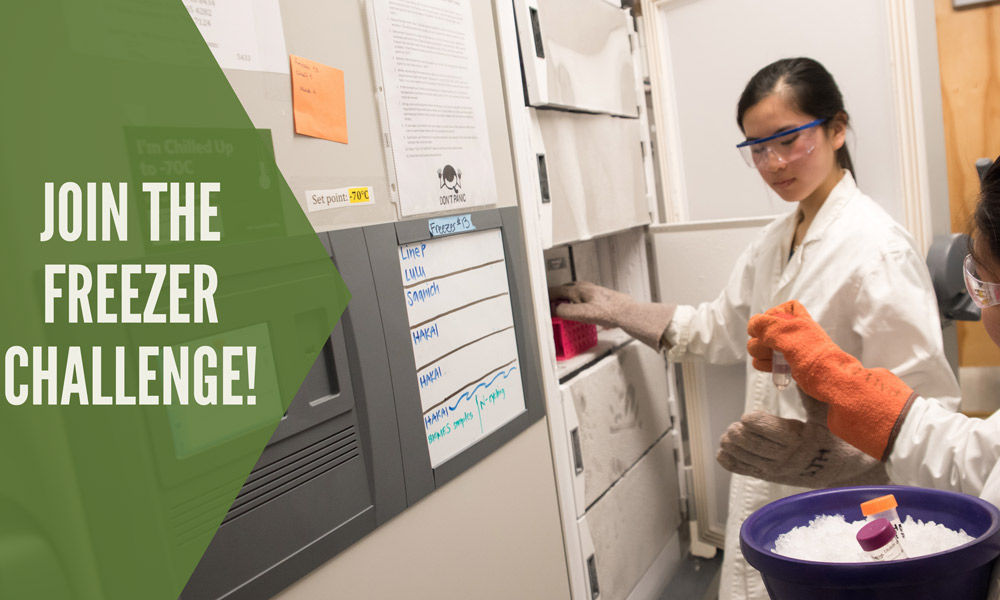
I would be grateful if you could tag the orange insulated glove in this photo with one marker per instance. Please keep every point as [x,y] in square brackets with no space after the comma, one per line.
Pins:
[865,404]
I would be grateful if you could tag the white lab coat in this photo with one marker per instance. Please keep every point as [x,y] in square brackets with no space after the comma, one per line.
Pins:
[860,276]
[940,449]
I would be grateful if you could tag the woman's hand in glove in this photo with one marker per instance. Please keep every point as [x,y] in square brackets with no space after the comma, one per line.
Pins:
[792,452]
[591,303]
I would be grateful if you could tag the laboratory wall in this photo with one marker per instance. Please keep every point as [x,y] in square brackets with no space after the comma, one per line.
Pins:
[696,116]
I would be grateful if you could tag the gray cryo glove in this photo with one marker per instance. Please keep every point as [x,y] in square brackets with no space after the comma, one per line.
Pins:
[792,452]
[591,303]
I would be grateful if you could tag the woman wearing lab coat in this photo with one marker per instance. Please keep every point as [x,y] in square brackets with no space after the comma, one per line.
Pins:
[839,254]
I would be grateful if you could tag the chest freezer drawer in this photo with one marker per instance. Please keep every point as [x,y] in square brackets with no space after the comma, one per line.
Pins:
[595,176]
[625,531]
[583,62]
[615,411]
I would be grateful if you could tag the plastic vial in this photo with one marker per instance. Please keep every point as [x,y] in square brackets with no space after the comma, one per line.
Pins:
[878,539]
[884,507]
[781,373]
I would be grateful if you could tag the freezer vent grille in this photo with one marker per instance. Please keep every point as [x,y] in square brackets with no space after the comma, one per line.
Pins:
[193,519]
[267,482]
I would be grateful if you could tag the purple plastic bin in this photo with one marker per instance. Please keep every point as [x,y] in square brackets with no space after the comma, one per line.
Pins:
[962,573]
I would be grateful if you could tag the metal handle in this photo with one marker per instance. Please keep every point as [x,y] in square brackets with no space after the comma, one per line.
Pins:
[595,588]
[543,179]
[536,31]
[574,438]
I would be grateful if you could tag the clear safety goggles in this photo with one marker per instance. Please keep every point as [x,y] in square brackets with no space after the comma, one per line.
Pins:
[984,293]
[785,146]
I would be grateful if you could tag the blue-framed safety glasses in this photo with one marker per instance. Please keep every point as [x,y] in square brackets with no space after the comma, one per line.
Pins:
[785,146]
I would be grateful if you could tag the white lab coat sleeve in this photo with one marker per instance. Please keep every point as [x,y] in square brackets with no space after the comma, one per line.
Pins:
[897,320]
[717,330]
[940,449]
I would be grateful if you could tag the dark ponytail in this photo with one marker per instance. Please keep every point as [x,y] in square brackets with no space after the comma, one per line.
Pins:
[986,218]
[808,87]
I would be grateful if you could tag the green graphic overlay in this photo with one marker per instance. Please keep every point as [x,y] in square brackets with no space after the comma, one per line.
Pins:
[149,348]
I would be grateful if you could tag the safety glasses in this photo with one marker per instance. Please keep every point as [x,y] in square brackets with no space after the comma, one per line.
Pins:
[984,293]
[785,146]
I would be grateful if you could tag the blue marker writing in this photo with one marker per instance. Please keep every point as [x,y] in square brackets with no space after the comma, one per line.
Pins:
[423,334]
[450,225]
[430,377]
[411,252]
[422,294]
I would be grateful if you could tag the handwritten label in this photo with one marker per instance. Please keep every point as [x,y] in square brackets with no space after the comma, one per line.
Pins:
[449,225]
[453,426]
[317,200]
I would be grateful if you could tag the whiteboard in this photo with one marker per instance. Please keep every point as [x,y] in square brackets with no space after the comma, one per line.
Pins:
[462,334]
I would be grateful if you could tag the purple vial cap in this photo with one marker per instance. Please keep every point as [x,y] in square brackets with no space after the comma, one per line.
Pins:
[876,534]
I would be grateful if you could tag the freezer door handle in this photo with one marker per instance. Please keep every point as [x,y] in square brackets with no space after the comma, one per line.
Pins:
[536,31]
[543,178]
[595,588]
[574,437]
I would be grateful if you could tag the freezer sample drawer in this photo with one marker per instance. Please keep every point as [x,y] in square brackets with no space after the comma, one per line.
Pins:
[630,525]
[581,63]
[621,410]
[595,174]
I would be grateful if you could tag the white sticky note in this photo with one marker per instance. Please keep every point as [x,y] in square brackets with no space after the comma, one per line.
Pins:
[242,34]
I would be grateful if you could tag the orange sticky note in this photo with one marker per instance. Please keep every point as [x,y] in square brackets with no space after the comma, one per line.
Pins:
[318,100]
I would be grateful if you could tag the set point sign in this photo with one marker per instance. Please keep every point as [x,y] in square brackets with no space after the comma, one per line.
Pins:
[317,200]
